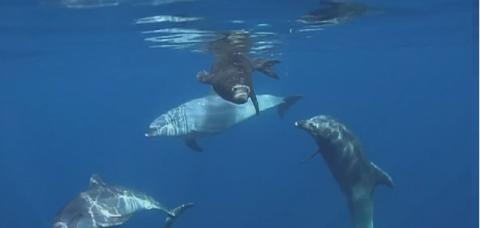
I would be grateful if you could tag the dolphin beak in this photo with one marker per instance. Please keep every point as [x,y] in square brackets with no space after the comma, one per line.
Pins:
[151,132]
[300,124]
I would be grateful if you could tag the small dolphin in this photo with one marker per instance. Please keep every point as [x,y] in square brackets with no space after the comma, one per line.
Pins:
[210,115]
[334,12]
[105,205]
[231,74]
[356,176]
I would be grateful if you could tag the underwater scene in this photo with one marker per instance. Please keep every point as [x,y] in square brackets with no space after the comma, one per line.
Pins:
[222,113]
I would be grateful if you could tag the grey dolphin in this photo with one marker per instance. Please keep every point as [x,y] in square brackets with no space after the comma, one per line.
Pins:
[211,115]
[231,74]
[334,12]
[105,205]
[356,176]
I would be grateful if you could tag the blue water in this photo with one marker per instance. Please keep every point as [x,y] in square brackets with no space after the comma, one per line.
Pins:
[78,88]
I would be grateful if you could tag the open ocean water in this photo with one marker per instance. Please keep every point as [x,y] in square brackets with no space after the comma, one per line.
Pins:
[81,80]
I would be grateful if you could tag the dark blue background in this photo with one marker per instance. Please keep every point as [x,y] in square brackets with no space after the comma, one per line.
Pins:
[79,87]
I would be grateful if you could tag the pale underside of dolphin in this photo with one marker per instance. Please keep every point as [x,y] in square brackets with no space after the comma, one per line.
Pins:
[105,205]
[211,115]
[343,154]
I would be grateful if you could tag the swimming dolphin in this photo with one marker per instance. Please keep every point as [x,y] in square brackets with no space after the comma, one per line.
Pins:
[334,12]
[231,74]
[210,115]
[105,205]
[356,176]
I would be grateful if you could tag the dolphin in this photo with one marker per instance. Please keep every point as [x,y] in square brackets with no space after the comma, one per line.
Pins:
[211,115]
[334,12]
[356,176]
[231,74]
[103,205]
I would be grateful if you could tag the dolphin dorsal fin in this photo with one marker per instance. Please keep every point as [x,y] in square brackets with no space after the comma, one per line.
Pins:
[96,181]
[382,177]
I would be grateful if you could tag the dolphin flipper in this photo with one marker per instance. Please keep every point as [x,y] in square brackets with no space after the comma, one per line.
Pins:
[172,214]
[192,144]
[382,177]
[311,156]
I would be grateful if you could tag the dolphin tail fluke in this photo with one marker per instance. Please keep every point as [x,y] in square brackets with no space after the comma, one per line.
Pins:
[287,103]
[265,66]
[382,177]
[173,214]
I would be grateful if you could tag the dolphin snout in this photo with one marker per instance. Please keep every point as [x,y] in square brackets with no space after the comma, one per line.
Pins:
[300,123]
[151,132]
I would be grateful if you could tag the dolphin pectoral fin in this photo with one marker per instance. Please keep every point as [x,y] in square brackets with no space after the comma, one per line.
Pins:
[204,77]
[381,177]
[173,214]
[112,220]
[253,96]
[116,220]
[311,156]
[287,103]
[361,210]
[265,66]
[82,222]
[192,144]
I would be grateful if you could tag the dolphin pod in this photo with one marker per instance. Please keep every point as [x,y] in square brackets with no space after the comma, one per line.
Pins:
[103,205]
[356,176]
